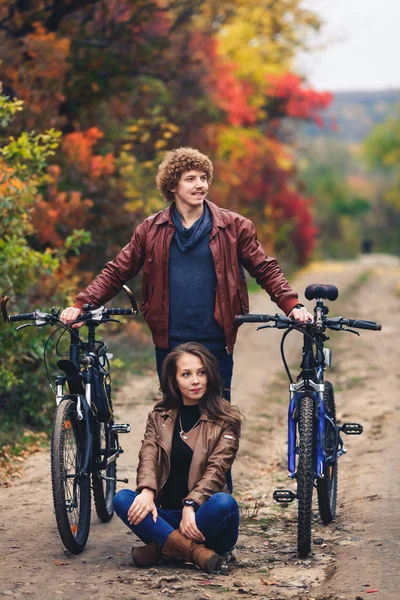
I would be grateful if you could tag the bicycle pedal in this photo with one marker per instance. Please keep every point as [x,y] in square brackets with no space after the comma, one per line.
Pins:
[352,428]
[120,428]
[284,496]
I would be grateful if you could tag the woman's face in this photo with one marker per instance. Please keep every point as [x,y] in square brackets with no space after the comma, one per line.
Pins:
[191,378]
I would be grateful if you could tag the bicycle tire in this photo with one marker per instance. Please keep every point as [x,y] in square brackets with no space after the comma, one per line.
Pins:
[327,487]
[305,474]
[104,490]
[71,489]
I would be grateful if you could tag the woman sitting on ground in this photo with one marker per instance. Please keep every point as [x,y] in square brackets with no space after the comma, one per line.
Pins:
[181,508]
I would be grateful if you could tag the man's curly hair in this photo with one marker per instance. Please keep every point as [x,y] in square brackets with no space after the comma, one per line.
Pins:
[174,163]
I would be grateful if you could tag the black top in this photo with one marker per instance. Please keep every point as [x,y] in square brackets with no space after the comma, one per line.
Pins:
[176,487]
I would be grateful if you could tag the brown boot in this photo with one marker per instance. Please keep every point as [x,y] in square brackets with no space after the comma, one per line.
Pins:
[148,555]
[179,546]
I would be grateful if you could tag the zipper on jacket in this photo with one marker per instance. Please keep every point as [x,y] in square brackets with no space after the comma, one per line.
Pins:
[169,466]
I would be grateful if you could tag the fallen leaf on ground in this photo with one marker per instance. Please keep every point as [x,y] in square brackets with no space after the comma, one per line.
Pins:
[266,582]
[371,591]
[60,563]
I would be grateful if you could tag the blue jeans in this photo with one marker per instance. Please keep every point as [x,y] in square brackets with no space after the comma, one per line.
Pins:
[217,519]
[225,367]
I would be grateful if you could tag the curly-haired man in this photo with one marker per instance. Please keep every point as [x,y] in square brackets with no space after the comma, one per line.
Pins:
[193,256]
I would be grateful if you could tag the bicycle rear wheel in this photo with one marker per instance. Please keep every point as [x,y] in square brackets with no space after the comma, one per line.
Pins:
[305,474]
[104,489]
[327,487]
[71,489]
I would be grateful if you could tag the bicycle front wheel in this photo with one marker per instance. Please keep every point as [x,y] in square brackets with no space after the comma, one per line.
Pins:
[104,489]
[305,474]
[71,489]
[327,487]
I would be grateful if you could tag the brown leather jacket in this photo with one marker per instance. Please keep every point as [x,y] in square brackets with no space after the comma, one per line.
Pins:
[233,244]
[214,450]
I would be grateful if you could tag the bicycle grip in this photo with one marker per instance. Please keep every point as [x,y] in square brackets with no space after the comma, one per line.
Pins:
[360,324]
[252,318]
[120,311]
[22,317]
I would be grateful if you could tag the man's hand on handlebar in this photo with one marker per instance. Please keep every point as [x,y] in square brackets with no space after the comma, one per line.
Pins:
[71,314]
[301,315]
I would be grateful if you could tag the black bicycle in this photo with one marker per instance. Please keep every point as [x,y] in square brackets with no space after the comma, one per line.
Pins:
[314,440]
[84,444]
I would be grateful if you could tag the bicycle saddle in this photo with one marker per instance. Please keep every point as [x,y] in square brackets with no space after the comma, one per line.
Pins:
[321,290]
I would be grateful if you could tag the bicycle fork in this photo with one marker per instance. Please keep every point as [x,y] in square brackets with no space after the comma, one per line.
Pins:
[297,393]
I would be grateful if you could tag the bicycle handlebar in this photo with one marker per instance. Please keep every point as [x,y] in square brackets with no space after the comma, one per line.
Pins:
[253,318]
[42,318]
[364,324]
[120,311]
[22,317]
[338,322]
[282,322]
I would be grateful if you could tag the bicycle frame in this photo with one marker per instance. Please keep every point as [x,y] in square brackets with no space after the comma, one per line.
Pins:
[311,384]
[75,379]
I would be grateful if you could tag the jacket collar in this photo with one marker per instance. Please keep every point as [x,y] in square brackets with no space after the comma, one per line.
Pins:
[172,413]
[219,219]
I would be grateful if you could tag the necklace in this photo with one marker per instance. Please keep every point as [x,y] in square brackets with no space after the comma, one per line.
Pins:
[182,433]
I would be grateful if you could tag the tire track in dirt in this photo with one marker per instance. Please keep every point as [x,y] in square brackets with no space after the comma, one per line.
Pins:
[34,564]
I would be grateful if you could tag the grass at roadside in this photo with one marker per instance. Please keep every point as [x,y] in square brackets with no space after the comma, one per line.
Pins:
[12,456]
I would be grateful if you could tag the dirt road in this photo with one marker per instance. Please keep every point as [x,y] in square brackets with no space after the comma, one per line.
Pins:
[351,557]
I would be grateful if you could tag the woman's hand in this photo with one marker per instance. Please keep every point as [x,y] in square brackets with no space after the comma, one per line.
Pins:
[69,315]
[142,505]
[188,526]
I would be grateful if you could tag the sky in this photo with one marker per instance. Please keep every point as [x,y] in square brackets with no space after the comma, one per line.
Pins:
[359,45]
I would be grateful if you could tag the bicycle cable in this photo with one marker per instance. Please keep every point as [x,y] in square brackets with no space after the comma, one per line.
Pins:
[282,350]
[65,329]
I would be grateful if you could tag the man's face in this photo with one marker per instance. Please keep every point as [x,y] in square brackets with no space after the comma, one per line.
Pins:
[191,190]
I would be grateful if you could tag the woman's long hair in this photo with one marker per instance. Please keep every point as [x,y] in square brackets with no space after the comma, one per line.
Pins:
[212,403]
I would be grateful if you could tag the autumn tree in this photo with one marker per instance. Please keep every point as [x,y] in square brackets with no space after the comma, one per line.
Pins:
[26,274]
[382,153]
[127,80]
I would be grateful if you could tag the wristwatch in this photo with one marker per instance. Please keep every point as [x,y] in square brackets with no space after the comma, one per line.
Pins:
[191,503]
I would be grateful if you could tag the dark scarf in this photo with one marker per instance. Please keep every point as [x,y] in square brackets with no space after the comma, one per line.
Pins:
[187,238]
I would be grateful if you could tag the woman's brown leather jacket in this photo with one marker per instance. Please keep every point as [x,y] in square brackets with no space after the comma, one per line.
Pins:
[233,244]
[214,449]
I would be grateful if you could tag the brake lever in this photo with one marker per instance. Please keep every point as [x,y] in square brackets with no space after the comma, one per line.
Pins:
[25,325]
[350,331]
[267,327]
[111,321]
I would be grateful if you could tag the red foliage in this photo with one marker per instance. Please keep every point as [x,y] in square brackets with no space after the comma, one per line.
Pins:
[253,183]
[297,102]
[227,91]
[56,218]
[78,148]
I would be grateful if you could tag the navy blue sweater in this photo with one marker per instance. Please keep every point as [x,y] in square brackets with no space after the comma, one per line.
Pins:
[192,286]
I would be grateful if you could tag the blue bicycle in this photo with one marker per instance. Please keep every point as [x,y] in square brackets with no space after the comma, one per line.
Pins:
[314,437]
